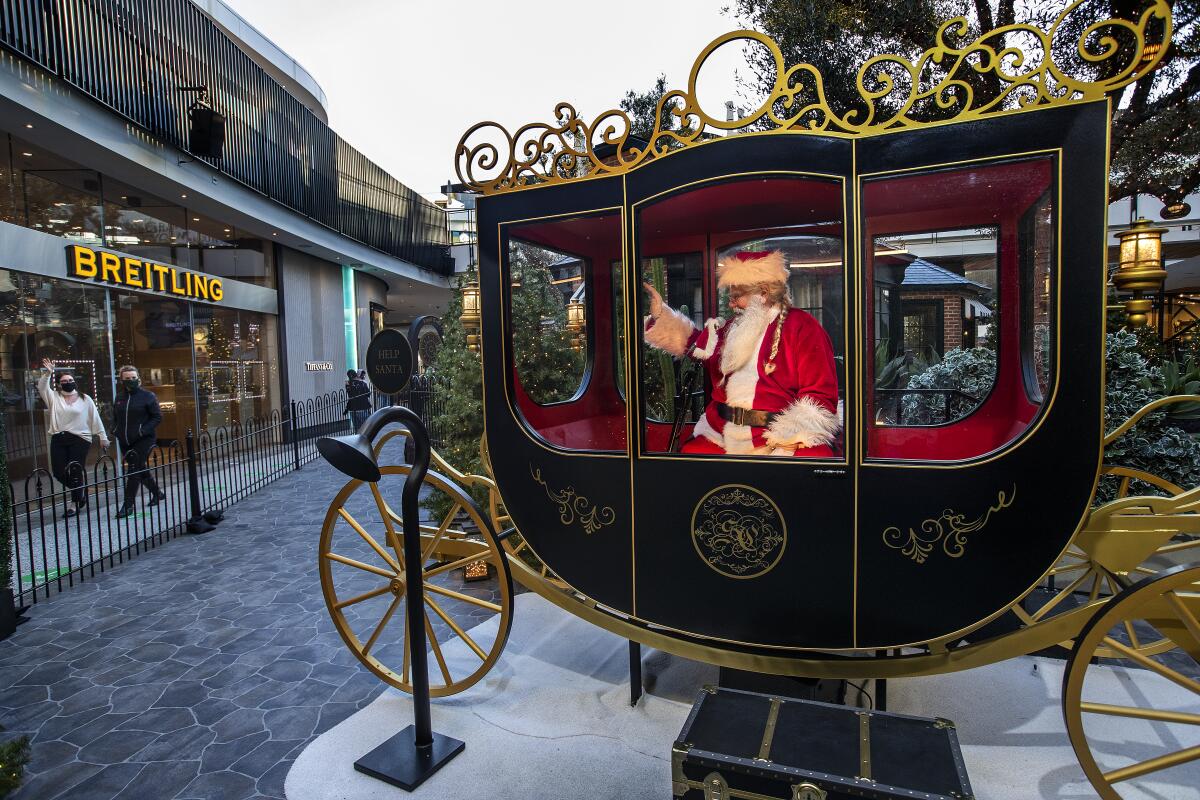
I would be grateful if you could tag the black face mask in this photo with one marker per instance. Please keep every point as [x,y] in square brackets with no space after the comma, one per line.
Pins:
[131,384]
[67,387]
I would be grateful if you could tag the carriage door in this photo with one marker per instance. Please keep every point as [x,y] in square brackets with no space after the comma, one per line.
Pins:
[742,544]
[981,337]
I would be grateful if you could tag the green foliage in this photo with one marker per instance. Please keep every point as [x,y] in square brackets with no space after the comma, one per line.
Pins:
[644,112]
[460,415]
[660,371]
[14,755]
[549,368]
[1182,378]
[1155,135]
[971,371]
[6,532]
[1154,444]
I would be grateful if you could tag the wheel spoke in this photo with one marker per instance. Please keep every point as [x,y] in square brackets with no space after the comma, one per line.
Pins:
[364,596]
[437,649]
[1133,639]
[1175,548]
[387,615]
[441,531]
[462,634]
[350,562]
[1075,584]
[1185,615]
[1096,584]
[1153,765]
[1153,665]
[1070,568]
[1141,713]
[385,513]
[368,538]
[462,562]
[466,598]
[1123,488]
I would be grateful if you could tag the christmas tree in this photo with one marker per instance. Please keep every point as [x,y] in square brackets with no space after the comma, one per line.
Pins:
[549,368]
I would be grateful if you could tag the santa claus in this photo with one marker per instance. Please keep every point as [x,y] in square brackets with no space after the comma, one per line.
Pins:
[774,382]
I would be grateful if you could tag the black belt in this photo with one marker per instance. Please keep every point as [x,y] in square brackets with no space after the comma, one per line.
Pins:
[745,416]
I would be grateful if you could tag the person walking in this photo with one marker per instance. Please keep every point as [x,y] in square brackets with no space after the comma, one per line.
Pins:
[358,399]
[73,421]
[136,416]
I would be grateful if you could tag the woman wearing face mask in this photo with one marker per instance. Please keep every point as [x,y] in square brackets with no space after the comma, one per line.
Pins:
[73,421]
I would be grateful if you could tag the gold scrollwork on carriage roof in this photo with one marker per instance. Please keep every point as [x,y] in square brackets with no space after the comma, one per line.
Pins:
[574,507]
[961,77]
[950,530]
[738,531]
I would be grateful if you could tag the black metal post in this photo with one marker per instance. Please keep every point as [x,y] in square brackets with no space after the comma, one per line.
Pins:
[635,672]
[197,523]
[295,437]
[415,753]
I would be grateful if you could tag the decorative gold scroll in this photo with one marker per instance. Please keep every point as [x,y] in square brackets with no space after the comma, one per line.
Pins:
[950,530]
[1025,66]
[574,507]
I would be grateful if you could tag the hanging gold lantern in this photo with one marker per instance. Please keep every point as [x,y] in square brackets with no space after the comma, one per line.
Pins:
[1140,269]
[576,323]
[470,317]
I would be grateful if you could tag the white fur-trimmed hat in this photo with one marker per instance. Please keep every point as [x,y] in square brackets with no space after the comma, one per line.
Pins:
[749,268]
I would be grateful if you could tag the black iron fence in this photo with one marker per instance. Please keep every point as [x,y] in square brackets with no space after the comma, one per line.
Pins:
[58,543]
[147,60]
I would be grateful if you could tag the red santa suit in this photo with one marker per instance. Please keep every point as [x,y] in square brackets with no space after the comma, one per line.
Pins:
[797,388]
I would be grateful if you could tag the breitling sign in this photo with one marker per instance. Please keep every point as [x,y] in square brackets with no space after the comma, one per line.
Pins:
[89,263]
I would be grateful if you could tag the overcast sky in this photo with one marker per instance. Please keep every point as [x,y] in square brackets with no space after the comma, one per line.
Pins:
[406,78]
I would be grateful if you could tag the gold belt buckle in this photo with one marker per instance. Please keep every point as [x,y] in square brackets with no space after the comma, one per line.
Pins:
[739,416]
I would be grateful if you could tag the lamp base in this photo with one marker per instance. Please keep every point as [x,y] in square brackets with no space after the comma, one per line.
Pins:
[398,761]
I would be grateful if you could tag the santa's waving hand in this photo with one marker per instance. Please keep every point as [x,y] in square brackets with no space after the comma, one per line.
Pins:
[774,381]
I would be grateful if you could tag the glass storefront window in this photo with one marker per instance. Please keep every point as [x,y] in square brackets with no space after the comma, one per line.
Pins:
[47,318]
[40,190]
[237,361]
[156,337]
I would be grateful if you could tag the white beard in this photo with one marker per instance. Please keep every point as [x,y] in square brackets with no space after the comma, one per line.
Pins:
[745,334]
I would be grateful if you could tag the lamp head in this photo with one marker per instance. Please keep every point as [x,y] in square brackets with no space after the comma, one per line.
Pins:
[351,455]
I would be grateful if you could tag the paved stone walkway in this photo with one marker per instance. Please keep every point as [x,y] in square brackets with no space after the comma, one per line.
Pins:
[198,670]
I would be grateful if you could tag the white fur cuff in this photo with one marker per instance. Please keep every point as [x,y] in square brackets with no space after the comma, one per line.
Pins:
[803,424]
[670,332]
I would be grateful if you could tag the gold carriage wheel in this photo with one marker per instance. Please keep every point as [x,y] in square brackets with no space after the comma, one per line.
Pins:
[446,547]
[1171,603]
[1085,575]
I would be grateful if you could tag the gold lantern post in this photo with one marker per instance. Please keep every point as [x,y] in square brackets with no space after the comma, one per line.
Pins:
[1140,269]
[470,317]
[576,323]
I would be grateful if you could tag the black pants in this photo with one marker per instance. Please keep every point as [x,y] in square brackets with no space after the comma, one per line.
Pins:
[68,454]
[136,472]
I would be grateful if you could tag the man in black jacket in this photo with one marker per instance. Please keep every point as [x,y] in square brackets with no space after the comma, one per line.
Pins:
[358,399]
[136,416]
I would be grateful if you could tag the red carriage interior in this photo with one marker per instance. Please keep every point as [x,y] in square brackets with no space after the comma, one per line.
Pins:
[703,222]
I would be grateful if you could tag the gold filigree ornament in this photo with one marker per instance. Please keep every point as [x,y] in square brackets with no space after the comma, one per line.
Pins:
[574,507]
[950,530]
[959,78]
[738,531]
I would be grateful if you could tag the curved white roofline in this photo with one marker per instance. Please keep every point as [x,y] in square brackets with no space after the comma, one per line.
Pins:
[268,55]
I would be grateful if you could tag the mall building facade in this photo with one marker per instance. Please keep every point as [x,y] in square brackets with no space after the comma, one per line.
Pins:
[171,196]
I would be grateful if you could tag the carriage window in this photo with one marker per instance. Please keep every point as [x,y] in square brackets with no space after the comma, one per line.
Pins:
[559,326]
[935,316]
[959,322]
[746,356]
